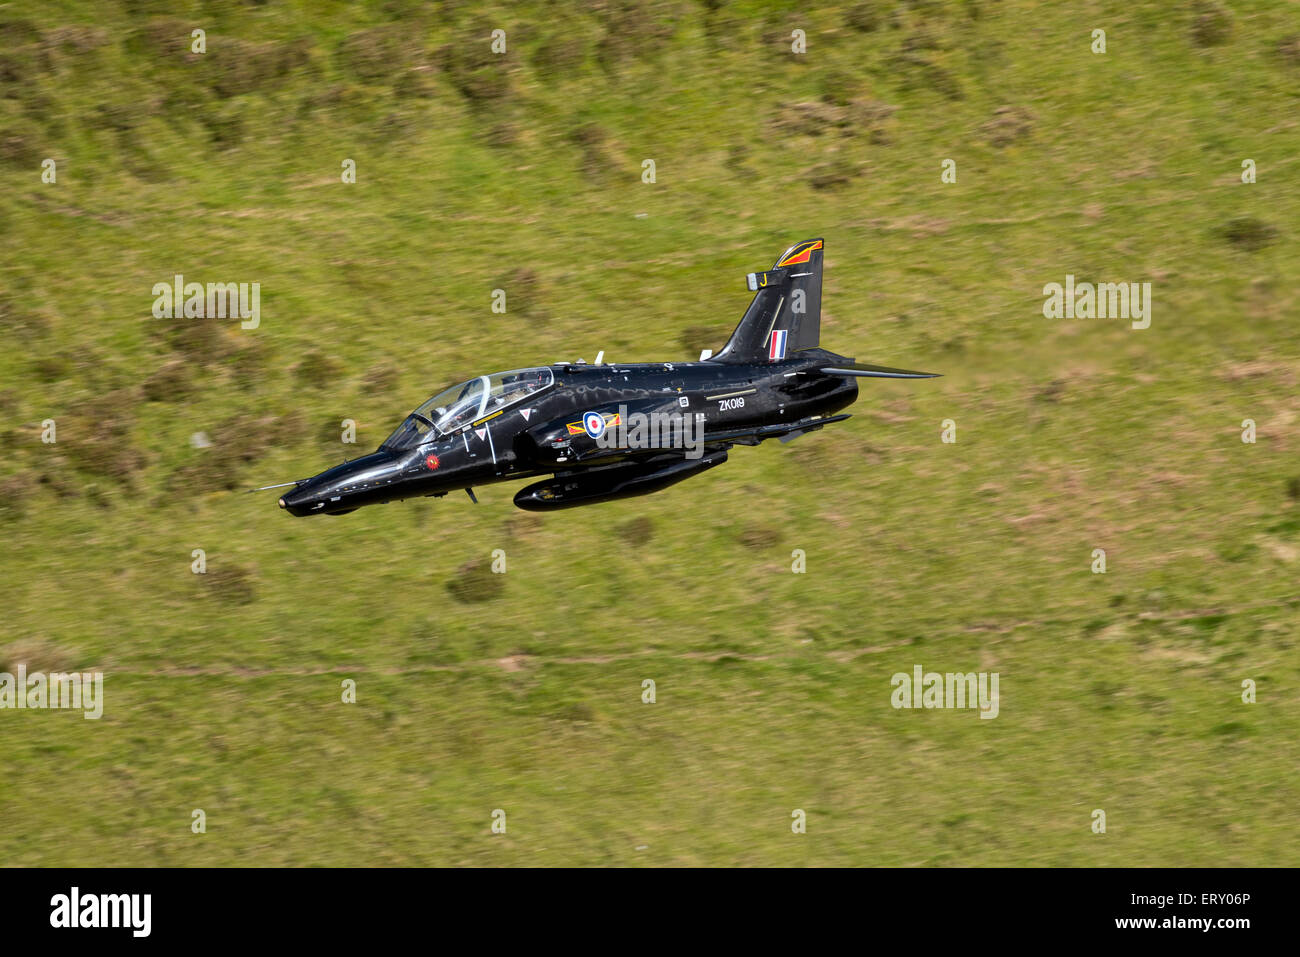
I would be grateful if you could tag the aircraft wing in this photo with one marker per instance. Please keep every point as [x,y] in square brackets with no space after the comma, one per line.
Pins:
[778,430]
[753,435]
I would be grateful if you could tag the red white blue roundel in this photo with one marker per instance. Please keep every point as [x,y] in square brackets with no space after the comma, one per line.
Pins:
[594,423]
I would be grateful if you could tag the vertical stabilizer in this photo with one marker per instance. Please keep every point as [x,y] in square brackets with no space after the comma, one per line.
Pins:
[785,314]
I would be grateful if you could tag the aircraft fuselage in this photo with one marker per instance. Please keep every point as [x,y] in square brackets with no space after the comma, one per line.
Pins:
[537,435]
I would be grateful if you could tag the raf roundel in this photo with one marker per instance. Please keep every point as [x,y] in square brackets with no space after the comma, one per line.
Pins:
[594,423]
[431,461]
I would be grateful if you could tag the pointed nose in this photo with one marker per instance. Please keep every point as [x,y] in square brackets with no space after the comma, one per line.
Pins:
[345,487]
[299,502]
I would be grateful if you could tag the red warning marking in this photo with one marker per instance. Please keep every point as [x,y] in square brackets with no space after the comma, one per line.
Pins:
[431,461]
[800,254]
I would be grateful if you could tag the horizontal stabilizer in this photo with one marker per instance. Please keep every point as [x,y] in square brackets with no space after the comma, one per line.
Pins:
[877,372]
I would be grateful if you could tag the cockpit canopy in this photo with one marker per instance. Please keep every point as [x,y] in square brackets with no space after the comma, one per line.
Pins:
[467,402]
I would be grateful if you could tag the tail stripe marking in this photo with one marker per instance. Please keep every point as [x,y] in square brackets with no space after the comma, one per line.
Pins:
[800,254]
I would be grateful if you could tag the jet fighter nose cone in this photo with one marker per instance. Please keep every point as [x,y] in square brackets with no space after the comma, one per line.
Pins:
[298,502]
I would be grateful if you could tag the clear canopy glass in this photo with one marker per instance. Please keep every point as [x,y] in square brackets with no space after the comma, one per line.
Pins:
[467,402]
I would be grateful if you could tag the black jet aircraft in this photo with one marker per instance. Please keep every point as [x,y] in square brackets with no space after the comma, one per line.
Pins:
[613,430]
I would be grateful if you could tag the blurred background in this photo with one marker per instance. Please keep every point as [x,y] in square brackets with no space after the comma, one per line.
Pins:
[523,171]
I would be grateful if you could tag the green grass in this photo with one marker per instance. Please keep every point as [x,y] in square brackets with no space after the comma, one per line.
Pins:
[1119,691]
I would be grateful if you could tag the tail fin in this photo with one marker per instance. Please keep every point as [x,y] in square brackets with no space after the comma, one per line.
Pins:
[786,313]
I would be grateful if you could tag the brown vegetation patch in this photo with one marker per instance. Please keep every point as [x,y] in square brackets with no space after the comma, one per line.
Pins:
[475,582]
[1009,124]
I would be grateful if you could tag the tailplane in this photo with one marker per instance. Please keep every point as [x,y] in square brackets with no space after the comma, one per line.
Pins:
[786,312]
[861,369]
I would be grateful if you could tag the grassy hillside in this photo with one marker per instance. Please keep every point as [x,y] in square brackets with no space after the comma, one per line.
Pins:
[523,171]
